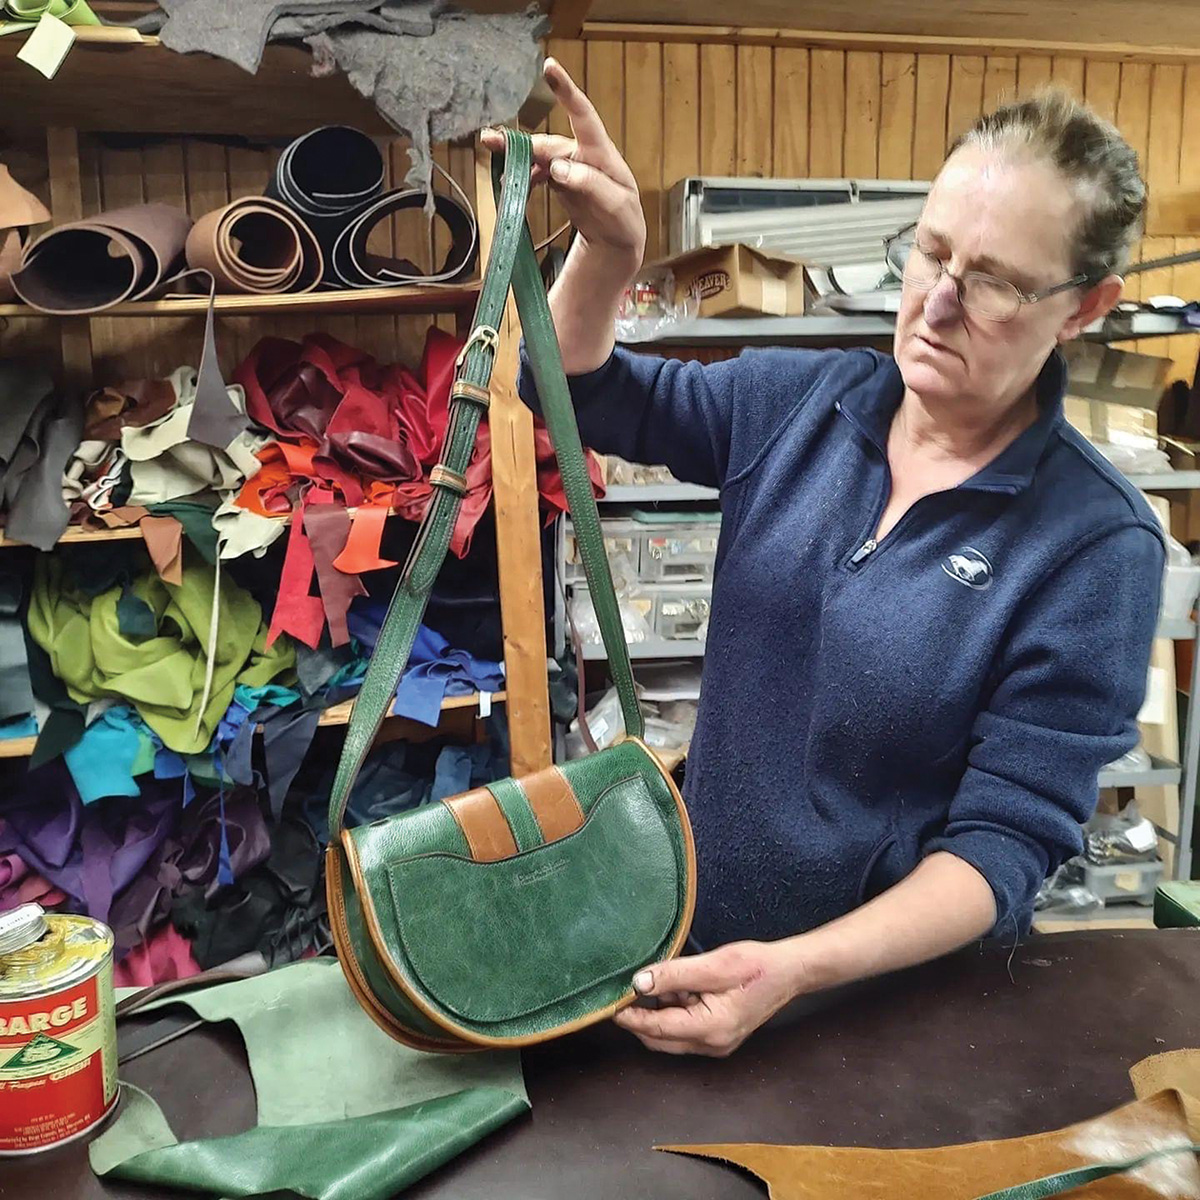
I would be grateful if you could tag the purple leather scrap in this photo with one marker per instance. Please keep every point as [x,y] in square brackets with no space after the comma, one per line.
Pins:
[189,860]
[93,853]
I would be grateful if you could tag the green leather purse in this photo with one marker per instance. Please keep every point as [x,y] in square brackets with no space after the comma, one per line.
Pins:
[517,912]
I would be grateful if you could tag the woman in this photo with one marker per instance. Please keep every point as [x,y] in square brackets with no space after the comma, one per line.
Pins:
[933,603]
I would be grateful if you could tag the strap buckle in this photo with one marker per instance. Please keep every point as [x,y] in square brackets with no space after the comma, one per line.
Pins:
[485,335]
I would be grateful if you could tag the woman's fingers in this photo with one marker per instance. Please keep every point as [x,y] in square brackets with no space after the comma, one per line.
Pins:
[595,146]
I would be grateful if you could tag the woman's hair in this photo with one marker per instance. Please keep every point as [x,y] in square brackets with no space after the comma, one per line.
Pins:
[1091,155]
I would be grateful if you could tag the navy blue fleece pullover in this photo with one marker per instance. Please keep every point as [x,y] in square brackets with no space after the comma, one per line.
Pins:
[956,688]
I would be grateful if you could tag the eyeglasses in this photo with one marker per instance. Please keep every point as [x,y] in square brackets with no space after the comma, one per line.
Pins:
[992,298]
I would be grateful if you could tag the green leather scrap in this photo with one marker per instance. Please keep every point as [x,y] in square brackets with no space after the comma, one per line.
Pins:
[1078,1177]
[345,1113]
[161,675]
[25,14]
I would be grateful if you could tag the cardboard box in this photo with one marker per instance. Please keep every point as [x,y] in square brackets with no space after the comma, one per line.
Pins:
[1114,395]
[736,281]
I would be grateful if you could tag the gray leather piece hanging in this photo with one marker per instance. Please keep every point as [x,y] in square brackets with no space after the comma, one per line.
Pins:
[16,691]
[434,73]
[38,435]
[38,515]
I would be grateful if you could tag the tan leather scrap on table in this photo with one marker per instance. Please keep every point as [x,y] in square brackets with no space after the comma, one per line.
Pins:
[1165,1113]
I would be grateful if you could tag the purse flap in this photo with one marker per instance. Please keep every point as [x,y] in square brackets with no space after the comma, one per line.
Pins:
[491,941]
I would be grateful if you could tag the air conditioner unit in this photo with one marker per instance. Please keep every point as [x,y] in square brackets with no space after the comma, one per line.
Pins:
[836,224]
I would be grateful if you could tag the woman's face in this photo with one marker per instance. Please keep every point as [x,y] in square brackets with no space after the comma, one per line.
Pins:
[1007,217]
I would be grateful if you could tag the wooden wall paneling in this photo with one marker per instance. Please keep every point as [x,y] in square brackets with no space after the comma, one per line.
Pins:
[27,159]
[755,110]
[606,86]
[400,338]
[119,346]
[791,118]
[171,341]
[247,170]
[897,110]
[643,134]
[1034,72]
[1185,282]
[1101,87]
[718,109]
[518,535]
[1162,155]
[931,106]
[999,81]
[1186,279]
[535,214]
[1133,106]
[1069,73]
[966,94]
[571,55]
[74,334]
[680,125]
[1133,120]
[1187,207]
[863,96]
[1156,283]
[827,113]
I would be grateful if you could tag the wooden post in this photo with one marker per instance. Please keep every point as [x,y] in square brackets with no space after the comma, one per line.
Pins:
[62,153]
[515,496]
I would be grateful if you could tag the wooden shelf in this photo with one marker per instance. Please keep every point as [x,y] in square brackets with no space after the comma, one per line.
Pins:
[418,298]
[337,714]
[112,82]
[75,534]
[1112,916]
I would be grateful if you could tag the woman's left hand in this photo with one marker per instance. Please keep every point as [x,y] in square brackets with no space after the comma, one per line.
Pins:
[712,1002]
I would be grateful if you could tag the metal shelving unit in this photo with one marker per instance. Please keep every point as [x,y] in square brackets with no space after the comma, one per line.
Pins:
[1160,773]
[652,648]
[834,329]
[1166,481]
[657,493]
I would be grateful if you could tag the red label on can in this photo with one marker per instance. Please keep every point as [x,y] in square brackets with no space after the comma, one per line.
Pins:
[57,1068]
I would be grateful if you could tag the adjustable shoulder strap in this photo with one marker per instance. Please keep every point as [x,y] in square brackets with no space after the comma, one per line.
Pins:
[510,261]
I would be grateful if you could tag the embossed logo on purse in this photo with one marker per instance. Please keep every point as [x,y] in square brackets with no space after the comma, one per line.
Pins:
[545,871]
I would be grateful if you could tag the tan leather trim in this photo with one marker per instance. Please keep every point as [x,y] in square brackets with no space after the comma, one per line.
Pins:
[472,392]
[482,822]
[356,980]
[593,1018]
[450,480]
[553,802]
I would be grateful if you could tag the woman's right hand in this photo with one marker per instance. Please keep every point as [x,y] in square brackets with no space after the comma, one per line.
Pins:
[586,171]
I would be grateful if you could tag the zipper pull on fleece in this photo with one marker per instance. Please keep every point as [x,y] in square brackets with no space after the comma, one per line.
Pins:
[866,549]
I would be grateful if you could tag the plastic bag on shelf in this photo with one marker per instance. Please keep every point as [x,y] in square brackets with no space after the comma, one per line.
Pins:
[651,306]
[1061,893]
[1124,837]
[636,605]
[1133,760]
[1181,582]
[1135,460]
[604,721]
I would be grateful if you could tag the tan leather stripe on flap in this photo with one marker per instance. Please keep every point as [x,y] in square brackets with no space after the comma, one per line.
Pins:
[553,803]
[483,825]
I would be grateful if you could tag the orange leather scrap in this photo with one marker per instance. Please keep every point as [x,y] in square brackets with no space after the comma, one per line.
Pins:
[1166,1113]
